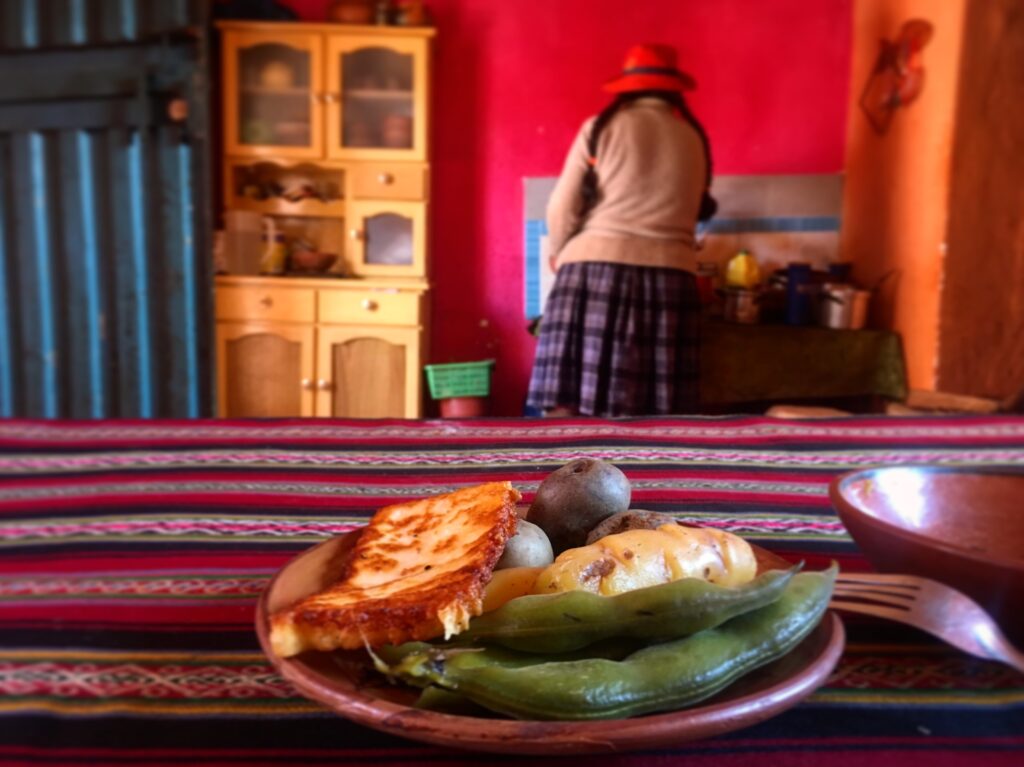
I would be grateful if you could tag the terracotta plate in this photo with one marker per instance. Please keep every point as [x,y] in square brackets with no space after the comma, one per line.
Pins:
[346,684]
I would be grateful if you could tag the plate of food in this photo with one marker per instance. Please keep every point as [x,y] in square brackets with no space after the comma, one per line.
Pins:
[574,625]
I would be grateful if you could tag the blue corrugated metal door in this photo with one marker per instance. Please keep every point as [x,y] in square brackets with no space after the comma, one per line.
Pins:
[104,210]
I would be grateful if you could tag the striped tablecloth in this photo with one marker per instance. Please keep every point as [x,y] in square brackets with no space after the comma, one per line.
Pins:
[132,553]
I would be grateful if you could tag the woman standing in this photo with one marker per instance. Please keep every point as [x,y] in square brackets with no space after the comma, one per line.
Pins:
[620,333]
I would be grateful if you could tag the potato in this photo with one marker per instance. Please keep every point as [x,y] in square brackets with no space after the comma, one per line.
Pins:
[634,519]
[529,547]
[636,559]
[509,584]
[573,499]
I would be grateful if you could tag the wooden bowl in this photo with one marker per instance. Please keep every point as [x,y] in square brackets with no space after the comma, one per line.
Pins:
[347,684]
[311,261]
[961,526]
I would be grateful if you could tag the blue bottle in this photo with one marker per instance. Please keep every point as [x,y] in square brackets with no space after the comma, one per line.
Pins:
[798,297]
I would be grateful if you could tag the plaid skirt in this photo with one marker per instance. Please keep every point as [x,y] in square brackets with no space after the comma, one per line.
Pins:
[619,340]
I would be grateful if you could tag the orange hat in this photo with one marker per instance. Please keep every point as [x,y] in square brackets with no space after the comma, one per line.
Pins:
[651,68]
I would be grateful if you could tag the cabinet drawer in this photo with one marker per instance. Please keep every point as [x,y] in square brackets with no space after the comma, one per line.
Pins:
[285,304]
[383,181]
[373,307]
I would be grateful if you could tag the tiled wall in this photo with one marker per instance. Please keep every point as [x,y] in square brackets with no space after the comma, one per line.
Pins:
[776,218]
[537,275]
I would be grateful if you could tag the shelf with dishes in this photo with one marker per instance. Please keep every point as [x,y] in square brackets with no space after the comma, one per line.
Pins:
[299,189]
[256,244]
[275,132]
[281,207]
[366,94]
[379,94]
[260,91]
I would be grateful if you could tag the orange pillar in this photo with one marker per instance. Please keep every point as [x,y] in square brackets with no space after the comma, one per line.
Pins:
[897,189]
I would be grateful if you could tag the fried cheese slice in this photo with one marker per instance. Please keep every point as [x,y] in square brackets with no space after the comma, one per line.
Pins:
[417,571]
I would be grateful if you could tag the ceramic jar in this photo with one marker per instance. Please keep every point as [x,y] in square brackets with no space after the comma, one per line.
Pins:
[351,11]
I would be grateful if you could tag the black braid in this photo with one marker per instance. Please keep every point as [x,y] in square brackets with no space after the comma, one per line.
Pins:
[589,193]
[708,204]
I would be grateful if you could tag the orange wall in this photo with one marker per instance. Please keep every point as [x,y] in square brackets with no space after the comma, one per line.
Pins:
[897,185]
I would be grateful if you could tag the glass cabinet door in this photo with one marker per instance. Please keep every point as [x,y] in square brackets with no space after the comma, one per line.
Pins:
[376,98]
[387,238]
[273,94]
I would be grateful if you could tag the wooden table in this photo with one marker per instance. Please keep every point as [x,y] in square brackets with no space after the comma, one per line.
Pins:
[132,554]
[759,365]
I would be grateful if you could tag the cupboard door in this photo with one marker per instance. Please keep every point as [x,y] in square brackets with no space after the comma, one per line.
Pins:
[387,238]
[369,372]
[273,90]
[264,370]
[376,98]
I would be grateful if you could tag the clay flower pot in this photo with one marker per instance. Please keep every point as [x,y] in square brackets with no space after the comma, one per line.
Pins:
[463,407]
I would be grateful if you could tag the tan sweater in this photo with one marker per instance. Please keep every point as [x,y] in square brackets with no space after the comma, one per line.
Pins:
[651,172]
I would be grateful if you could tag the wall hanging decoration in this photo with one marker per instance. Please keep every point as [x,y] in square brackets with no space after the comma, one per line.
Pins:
[898,75]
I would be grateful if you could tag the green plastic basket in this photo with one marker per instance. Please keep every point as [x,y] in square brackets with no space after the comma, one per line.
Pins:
[460,379]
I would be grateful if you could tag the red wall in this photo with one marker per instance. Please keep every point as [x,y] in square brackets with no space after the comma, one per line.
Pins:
[514,79]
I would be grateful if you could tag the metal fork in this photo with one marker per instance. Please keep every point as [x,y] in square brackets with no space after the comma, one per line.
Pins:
[928,605]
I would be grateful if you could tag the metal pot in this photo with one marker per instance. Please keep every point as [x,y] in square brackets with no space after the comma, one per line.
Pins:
[859,310]
[843,306]
[742,305]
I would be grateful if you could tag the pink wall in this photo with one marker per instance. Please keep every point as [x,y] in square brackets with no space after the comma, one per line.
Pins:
[514,79]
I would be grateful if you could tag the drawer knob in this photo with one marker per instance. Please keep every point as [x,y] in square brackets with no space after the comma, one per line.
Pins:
[355,234]
[331,98]
[307,384]
[369,304]
[266,302]
[323,384]
[177,110]
[385,178]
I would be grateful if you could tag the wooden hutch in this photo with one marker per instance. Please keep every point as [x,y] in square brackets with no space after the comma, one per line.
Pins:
[325,132]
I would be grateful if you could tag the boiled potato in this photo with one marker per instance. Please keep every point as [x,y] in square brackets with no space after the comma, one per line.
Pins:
[573,499]
[634,519]
[509,584]
[529,547]
[639,558]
